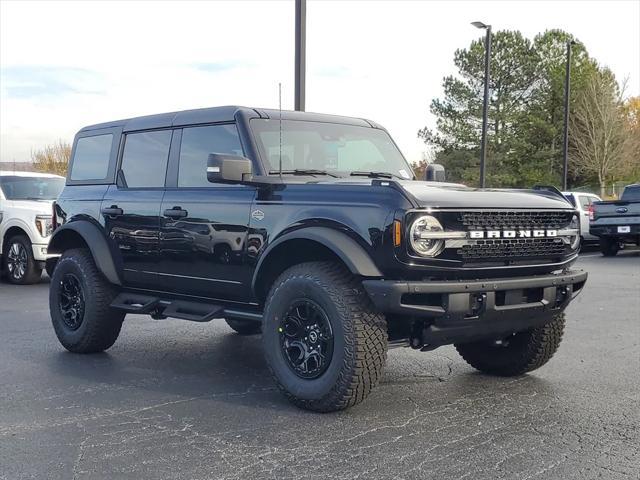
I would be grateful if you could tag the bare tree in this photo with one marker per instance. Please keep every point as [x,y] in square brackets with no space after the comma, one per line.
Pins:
[52,158]
[598,133]
[420,167]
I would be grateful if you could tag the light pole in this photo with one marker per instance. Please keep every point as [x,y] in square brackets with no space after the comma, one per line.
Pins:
[300,54]
[485,105]
[567,92]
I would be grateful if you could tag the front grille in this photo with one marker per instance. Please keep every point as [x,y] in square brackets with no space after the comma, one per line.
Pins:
[506,250]
[488,220]
[512,248]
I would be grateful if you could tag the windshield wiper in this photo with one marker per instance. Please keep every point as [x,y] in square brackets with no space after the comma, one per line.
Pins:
[375,175]
[303,171]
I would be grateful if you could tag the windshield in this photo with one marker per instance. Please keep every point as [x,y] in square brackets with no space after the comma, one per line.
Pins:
[31,188]
[328,147]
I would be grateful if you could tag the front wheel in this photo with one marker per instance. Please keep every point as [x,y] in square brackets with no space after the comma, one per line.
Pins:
[520,353]
[20,266]
[324,343]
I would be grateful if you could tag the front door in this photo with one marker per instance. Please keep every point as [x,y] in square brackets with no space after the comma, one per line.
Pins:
[205,225]
[131,209]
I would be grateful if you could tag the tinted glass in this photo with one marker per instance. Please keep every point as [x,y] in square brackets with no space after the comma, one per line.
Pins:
[17,187]
[144,160]
[337,148]
[197,144]
[91,158]
[631,194]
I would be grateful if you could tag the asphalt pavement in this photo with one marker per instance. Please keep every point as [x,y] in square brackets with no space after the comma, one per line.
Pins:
[179,400]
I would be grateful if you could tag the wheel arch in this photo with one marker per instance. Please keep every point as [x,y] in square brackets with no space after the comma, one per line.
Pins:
[12,231]
[306,245]
[83,234]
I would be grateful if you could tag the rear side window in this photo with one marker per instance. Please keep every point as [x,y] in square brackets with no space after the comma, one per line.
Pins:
[197,143]
[91,157]
[631,194]
[144,160]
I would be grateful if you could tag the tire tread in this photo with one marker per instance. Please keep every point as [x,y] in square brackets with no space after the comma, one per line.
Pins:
[541,344]
[365,336]
[103,323]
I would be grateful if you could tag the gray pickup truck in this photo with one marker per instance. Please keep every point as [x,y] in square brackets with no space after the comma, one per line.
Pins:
[617,222]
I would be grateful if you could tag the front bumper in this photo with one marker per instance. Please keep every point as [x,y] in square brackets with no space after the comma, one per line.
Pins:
[458,311]
[39,252]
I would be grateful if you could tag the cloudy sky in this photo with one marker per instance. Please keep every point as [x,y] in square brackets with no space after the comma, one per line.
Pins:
[67,64]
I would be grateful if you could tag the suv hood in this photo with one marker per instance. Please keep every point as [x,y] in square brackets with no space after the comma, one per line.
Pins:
[38,207]
[443,195]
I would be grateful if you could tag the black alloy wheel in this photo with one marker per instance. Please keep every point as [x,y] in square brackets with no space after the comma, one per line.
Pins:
[71,301]
[306,338]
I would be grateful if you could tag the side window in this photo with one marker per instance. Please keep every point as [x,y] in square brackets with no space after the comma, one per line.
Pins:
[584,201]
[91,157]
[144,160]
[197,144]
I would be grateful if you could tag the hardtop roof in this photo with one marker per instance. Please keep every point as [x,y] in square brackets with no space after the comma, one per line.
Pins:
[221,114]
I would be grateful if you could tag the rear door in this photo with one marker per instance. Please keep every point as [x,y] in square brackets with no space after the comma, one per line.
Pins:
[131,208]
[204,225]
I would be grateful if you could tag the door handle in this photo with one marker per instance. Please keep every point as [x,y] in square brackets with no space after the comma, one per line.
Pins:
[175,212]
[112,211]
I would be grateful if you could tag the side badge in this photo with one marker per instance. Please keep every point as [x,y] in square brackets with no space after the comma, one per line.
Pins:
[257,215]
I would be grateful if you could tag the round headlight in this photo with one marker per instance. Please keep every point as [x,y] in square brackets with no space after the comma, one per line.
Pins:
[419,236]
[575,225]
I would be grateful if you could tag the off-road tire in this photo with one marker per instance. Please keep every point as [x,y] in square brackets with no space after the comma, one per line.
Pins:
[32,273]
[243,327]
[522,353]
[359,337]
[101,324]
[609,247]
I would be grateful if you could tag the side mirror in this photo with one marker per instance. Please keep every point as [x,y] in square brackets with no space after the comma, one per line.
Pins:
[227,168]
[434,173]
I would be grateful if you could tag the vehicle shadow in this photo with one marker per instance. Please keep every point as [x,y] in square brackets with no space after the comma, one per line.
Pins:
[229,368]
[218,364]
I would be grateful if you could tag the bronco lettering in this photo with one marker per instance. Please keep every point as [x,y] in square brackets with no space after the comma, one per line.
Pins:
[512,233]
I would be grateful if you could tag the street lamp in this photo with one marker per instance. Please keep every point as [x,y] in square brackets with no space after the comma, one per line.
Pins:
[300,54]
[485,106]
[567,91]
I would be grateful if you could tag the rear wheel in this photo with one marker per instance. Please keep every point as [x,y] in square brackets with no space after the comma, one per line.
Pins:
[244,327]
[609,246]
[20,266]
[325,344]
[520,353]
[79,302]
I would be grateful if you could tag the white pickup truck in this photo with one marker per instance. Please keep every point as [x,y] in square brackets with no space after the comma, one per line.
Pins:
[25,223]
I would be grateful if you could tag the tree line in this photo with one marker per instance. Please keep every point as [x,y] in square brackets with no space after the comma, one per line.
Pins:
[526,114]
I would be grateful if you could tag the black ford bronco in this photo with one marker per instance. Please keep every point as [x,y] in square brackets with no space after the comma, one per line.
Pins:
[312,230]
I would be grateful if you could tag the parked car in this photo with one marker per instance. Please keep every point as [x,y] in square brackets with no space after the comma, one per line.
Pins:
[343,252]
[617,222]
[582,201]
[25,223]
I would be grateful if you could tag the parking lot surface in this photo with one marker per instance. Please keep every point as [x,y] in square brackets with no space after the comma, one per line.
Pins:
[179,400]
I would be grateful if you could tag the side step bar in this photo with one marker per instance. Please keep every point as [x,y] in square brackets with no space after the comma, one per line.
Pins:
[185,310]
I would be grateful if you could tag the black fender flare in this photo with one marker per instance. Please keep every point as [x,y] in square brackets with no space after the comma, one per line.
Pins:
[352,254]
[95,240]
